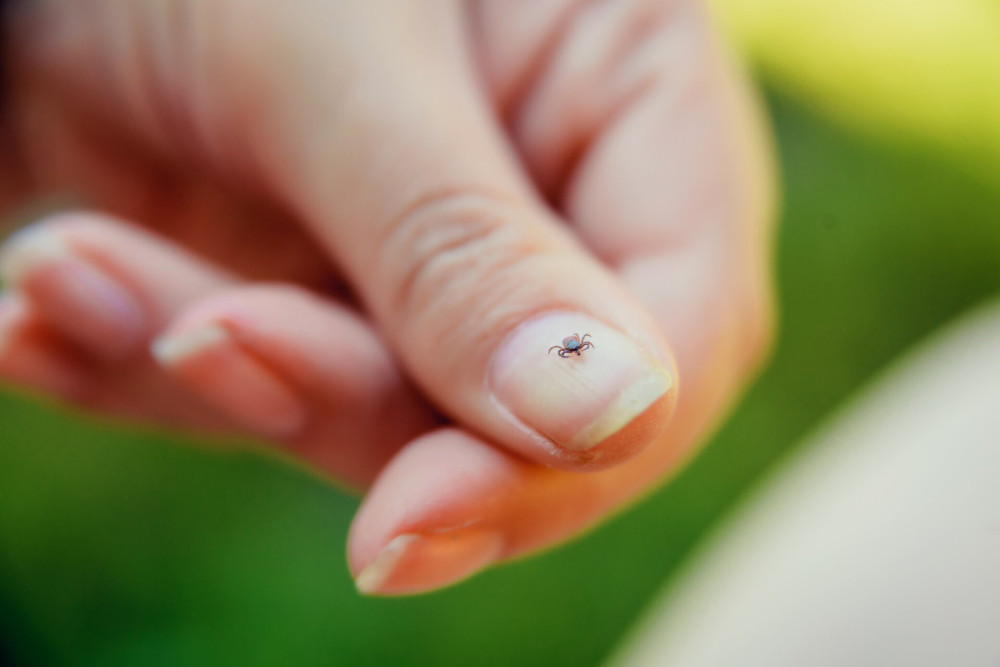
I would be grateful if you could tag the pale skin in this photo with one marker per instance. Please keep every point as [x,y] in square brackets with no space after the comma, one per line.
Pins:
[325,217]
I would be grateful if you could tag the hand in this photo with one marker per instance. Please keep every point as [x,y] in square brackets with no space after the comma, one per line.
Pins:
[468,183]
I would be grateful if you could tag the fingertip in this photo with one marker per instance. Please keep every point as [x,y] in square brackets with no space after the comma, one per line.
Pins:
[599,400]
[436,482]
[293,367]
[643,430]
[412,563]
[74,295]
[213,365]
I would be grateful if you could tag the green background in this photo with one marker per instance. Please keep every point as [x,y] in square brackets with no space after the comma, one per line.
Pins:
[130,548]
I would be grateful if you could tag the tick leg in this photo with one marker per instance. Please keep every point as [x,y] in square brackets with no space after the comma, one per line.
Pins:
[555,347]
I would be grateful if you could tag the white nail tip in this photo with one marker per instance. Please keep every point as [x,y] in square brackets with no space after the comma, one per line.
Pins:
[630,403]
[28,249]
[170,349]
[376,573]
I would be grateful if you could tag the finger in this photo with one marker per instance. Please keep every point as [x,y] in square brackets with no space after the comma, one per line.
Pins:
[296,368]
[90,291]
[36,358]
[470,279]
[690,238]
[103,284]
[450,504]
[647,137]
[676,190]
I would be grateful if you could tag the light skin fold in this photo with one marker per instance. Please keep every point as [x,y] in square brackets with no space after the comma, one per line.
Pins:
[437,188]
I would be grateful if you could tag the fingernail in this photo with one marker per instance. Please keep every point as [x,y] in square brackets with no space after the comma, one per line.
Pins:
[412,563]
[81,300]
[583,397]
[223,373]
[171,349]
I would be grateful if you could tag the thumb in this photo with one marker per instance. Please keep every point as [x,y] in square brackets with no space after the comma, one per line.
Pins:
[411,187]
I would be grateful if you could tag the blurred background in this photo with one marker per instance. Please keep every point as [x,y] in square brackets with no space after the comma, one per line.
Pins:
[127,547]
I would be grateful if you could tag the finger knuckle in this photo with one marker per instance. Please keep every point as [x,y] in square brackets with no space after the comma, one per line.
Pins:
[455,249]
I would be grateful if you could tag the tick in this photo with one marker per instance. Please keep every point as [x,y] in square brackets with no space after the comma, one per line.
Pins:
[572,344]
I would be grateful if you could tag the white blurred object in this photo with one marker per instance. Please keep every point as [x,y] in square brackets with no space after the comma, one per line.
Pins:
[877,544]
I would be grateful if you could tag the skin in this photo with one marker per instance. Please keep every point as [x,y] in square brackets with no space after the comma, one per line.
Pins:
[411,180]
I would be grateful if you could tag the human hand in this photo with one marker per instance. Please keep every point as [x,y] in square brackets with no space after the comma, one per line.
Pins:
[482,178]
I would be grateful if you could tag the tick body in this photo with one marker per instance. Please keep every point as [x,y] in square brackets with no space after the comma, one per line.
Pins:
[572,345]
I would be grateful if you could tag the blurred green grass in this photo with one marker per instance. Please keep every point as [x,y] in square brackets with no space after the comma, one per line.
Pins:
[125,548]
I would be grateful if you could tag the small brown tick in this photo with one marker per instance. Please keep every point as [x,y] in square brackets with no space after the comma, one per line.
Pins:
[572,344]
